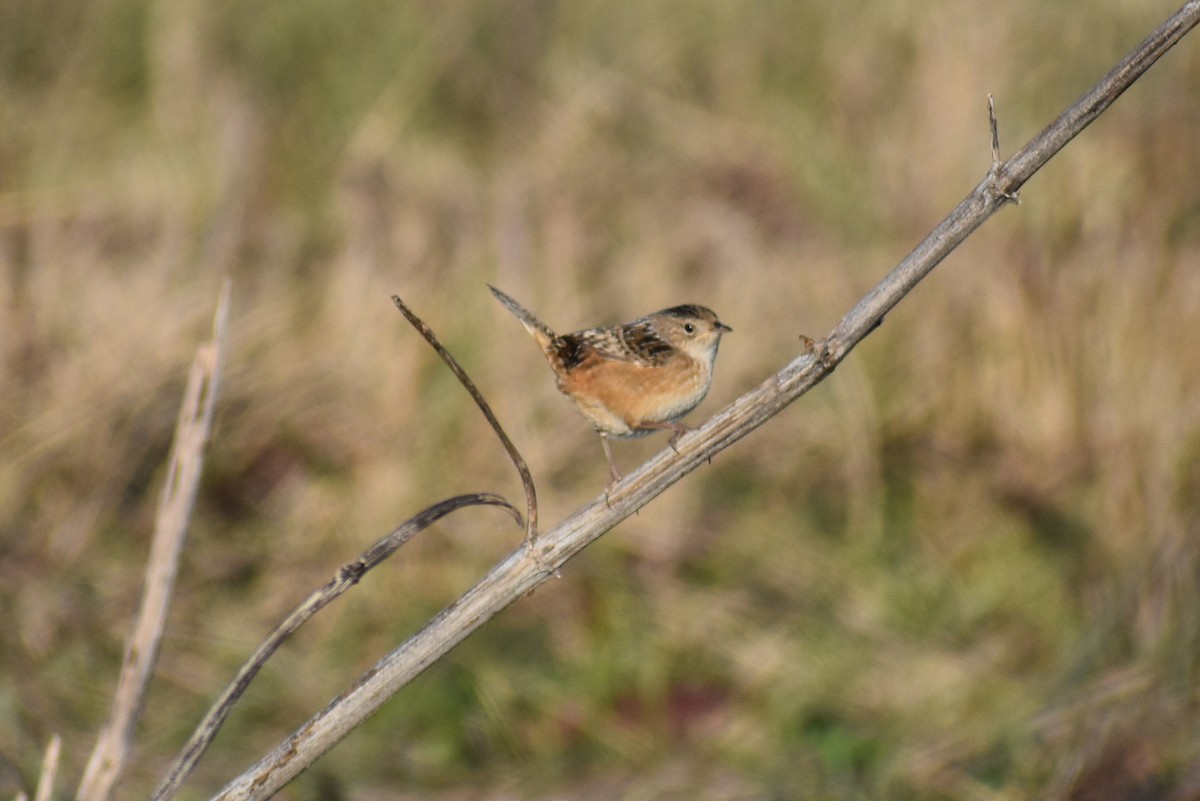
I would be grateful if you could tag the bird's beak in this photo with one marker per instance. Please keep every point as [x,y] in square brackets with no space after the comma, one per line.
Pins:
[721,328]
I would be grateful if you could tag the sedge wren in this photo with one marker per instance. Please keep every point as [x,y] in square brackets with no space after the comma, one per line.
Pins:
[630,380]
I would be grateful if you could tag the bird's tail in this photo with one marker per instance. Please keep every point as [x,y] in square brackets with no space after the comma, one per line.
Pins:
[539,330]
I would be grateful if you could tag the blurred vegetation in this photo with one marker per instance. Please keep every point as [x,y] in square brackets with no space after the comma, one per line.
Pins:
[965,567]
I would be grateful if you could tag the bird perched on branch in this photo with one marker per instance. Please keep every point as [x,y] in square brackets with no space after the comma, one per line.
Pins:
[633,379]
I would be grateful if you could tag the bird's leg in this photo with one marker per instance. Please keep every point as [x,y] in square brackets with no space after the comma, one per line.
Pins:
[612,468]
[679,428]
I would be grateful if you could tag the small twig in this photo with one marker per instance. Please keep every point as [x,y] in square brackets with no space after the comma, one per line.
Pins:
[995,133]
[45,785]
[345,578]
[531,514]
[994,173]
[111,752]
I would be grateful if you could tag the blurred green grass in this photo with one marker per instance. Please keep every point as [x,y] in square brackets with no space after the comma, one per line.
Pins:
[964,567]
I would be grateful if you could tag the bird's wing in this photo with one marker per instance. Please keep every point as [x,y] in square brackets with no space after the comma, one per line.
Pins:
[636,343]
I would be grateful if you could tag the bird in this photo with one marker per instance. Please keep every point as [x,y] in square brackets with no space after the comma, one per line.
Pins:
[633,379]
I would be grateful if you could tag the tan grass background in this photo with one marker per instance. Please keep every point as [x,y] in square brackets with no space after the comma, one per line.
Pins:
[965,567]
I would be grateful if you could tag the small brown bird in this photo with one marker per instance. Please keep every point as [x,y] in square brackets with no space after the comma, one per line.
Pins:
[631,380]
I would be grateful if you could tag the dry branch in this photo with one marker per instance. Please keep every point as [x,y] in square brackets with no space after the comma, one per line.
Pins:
[351,573]
[531,511]
[346,577]
[530,565]
[111,752]
[45,785]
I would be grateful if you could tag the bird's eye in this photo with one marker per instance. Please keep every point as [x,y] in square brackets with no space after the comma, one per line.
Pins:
[691,329]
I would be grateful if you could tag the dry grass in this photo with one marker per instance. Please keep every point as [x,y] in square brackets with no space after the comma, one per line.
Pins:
[965,567]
